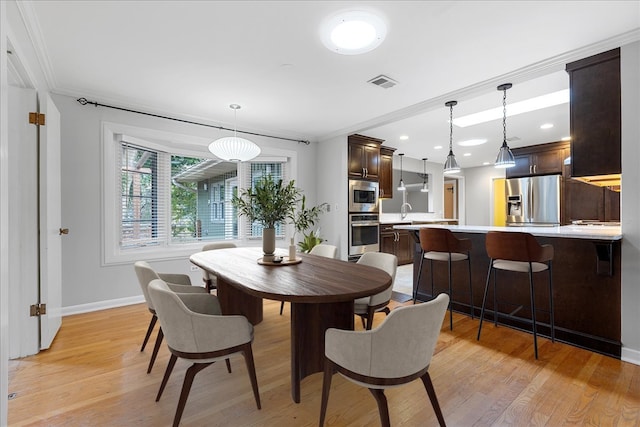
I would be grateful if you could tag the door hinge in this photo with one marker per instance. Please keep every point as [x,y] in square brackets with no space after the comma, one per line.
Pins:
[38,309]
[37,119]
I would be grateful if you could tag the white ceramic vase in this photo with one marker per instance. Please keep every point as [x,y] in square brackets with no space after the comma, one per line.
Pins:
[268,243]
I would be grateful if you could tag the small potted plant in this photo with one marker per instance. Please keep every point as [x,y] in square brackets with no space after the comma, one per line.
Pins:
[269,202]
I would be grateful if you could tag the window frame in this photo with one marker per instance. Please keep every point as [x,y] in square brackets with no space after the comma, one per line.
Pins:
[174,144]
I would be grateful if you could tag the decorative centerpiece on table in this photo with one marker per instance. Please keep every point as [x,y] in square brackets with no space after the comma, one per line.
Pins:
[272,202]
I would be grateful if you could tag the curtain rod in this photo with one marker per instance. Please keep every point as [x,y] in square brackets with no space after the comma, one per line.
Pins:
[84,101]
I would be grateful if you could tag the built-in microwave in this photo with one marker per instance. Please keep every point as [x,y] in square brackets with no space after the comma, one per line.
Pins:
[363,196]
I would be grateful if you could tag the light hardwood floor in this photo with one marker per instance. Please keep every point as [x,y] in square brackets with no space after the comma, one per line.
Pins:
[95,375]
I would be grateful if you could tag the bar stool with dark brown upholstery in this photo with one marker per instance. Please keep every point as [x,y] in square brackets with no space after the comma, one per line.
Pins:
[518,252]
[440,244]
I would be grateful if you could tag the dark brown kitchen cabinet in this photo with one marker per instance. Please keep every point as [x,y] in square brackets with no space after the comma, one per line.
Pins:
[364,157]
[397,242]
[595,115]
[542,159]
[386,172]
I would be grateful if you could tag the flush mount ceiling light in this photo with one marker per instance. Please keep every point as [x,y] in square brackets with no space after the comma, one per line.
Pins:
[505,157]
[353,32]
[401,187]
[233,148]
[472,142]
[451,165]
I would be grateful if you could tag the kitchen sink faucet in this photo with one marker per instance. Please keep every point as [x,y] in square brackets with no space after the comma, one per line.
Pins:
[404,206]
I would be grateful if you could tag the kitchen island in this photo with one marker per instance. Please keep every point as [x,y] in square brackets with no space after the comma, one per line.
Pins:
[586,283]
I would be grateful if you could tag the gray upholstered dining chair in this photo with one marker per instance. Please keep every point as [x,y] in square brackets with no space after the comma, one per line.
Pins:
[200,338]
[322,249]
[366,307]
[396,352]
[177,282]
[209,279]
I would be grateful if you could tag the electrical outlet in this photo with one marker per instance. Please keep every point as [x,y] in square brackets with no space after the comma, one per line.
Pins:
[194,268]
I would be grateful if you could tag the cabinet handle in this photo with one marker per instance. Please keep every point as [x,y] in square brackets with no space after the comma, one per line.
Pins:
[530,169]
[535,168]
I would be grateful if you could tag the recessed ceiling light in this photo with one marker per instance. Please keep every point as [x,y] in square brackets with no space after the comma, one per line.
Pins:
[403,137]
[566,138]
[486,163]
[353,32]
[546,126]
[438,147]
[466,154]
[532,104]
[472,142]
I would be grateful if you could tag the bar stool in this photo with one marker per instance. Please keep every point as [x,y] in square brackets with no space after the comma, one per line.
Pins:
[518,252]
[440,244]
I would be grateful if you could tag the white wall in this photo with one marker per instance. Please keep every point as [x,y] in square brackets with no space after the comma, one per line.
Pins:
[332,188]
[4,220]
[630,203]
[479,193]
[85,280]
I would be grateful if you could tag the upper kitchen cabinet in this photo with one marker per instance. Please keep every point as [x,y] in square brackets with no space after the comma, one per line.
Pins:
[364,157]
[595,118]
[386,172]
[542,159]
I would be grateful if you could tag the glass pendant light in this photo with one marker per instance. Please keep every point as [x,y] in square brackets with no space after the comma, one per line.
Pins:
[401,187]
[451,165]
[505,156]
[232,148]
[425,188]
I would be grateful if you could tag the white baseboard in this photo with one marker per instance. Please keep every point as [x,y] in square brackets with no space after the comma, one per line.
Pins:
[630,355]
[101,305]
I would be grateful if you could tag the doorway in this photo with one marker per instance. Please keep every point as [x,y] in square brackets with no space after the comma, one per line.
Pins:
[451,199]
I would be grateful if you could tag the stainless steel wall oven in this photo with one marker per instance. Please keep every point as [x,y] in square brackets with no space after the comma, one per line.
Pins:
[364,233]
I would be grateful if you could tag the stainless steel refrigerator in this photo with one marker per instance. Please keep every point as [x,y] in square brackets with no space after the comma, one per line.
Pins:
[533,201]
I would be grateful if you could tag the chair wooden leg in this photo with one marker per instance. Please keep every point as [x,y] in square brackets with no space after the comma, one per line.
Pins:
[428,385]
[484,298]
[450,295]
[186,388]
[417,283]
[154,319]
[281,307]
[551,321]
[326,386]
[364,322]
[228,365]
[251,369]
[156,348]
[370,312]
[470,285]
[383,408]
[167,374]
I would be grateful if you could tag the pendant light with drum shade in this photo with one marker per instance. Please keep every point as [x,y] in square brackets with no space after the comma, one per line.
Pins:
[451,165]
[505,157]
[232,148]
[401,187]
[425,188]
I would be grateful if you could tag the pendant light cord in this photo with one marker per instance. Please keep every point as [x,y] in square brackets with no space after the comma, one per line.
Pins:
[504,115]
[451,128]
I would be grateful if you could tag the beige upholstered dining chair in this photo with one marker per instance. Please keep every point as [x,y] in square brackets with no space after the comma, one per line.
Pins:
[396,352]
[178,283]
[366,307]
[209,279]
[200,338]
[323,249]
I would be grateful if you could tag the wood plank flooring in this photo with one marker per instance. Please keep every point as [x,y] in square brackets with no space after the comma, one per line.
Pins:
[95,375]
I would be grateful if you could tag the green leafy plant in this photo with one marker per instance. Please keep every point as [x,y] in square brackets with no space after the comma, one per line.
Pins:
[269,202]
[306,218]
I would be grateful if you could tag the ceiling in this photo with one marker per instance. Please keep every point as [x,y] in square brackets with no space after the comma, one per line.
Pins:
[191,59]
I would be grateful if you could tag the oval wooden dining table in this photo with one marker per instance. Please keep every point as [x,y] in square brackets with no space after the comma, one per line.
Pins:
[321,292]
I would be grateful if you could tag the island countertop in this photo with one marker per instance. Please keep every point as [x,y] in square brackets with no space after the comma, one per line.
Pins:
[589,232]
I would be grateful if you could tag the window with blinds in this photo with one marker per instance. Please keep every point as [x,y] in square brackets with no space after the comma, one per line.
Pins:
[170,199]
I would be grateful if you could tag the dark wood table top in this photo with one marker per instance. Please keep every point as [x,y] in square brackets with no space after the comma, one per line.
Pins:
[314,280]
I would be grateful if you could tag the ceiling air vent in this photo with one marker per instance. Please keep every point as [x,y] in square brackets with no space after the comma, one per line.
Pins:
[383,81]
[513,139]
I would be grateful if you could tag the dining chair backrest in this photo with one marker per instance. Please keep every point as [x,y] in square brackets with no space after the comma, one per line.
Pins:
[325,250]
[386,262]
[145,274]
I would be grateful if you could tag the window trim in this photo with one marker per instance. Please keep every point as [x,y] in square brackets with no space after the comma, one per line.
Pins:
[174,143]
